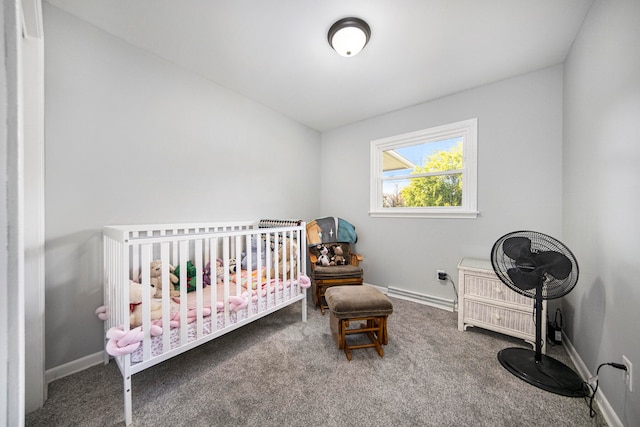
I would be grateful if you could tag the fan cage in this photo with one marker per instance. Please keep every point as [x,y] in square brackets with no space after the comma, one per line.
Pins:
[552,288]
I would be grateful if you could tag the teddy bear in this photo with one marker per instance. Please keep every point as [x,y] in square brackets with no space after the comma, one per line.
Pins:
[135,304]
[284,261]
[323,257]
[155,277]
[338,256]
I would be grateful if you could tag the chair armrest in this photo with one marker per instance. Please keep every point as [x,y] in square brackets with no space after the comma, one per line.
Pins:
[313,259]
[356,259]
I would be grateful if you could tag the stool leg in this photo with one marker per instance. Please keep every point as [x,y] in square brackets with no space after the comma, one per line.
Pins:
[374,336]
[384,335]
[321,301]
[347,351]
[344,324]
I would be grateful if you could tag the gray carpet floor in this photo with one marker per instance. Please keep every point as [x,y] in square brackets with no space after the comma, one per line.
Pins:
[279,371]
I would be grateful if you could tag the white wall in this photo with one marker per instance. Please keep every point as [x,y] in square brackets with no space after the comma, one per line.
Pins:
[601,202]
[519,180]
[131,138]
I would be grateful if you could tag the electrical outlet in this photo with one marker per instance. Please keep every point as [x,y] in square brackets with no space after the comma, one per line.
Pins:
[441,275]
[628,374]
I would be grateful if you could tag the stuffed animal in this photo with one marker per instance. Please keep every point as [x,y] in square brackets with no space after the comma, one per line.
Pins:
[135,304]
[219,268]
[323,258]
[232,265]
[338,256]
[206,274]
[291,253]
[155,277]
[191,277]
[254,254]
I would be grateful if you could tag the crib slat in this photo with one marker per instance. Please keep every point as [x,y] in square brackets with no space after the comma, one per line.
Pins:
[167,287]
[184,255]
[135,260]
[225,264]
[269,262]
[214,283]
[145,259]
[199,301]
[238,270]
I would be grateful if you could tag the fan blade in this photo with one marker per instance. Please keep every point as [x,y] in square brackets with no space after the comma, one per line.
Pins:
[517,247]
[522,280]
[554,263]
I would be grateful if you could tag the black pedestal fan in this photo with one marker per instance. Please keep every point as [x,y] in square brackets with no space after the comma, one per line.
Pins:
[537,266]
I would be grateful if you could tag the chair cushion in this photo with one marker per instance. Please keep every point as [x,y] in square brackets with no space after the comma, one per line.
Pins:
[337,272]
[347,302]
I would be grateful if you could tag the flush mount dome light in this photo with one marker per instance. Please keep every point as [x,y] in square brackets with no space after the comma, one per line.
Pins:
[349,36]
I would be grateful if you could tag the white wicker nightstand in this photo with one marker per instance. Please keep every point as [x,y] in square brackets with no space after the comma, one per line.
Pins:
[486,302]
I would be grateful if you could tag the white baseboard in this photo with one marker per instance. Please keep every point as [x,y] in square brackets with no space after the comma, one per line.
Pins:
[74,366]
[442,303]
[609,415]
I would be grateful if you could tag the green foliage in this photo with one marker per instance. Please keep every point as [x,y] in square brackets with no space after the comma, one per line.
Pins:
[439,190]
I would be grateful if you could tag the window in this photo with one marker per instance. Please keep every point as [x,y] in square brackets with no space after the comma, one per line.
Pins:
[428,173]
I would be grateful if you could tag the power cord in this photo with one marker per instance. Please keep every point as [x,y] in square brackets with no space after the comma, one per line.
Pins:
[592,413]
[448,279]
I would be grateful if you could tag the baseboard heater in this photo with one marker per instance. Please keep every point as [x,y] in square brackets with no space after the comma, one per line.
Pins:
[443,303]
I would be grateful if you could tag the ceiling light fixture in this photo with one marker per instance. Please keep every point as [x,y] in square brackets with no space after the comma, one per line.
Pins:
[349,36]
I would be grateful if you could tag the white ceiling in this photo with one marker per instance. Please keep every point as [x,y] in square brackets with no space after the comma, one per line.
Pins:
[276,51]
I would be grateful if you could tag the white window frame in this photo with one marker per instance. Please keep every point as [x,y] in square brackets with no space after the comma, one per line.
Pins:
[468,131]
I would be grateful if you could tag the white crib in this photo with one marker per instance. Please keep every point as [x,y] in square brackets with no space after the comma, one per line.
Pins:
[274,256]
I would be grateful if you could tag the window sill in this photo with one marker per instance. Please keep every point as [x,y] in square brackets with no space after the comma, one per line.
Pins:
[404,213]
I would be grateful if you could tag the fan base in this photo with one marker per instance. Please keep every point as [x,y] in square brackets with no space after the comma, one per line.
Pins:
[548,374]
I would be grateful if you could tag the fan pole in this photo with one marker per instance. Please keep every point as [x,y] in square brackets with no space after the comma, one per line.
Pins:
[538,308]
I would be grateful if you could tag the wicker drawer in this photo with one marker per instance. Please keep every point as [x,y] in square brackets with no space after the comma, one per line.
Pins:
[509,321]
[484,301]
[493,289]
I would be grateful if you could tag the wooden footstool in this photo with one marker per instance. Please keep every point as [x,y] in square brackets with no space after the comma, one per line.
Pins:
[358,303]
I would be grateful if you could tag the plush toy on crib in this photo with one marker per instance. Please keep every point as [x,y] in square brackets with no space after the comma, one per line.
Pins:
[291,250]
[254,254]
[219,269]
[155,277]
[191,277]
[323,258]
[135,304]
[207,272]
